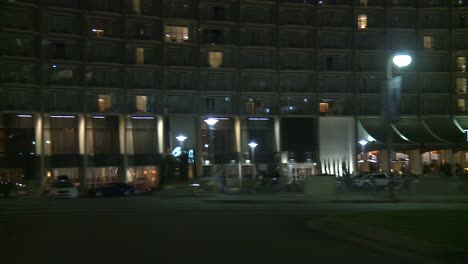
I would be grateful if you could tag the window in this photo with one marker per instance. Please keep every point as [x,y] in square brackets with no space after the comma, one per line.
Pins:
[141,103]
[176,33]
[362,21]
[104,102]
[98,31]
[140,55]
[461,85]
[428,42]
[363,2]
[61,76]
[330,106]
[215,59]
[461,64]
[323,108]
[256,105]
[136,6]
[461,105]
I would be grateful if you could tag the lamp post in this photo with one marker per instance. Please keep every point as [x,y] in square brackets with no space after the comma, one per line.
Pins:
[181,139]
[363,144]
[400,60]
[252,146]
[211,122]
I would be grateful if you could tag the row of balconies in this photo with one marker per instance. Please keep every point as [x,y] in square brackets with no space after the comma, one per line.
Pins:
[75,75]
[113,101]
[286,37]
[70,22]
[113,52]
[221,9]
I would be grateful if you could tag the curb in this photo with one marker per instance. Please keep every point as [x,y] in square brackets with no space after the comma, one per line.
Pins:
[418,251]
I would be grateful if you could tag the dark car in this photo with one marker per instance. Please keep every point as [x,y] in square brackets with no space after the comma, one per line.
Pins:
[7,188]
[113,189]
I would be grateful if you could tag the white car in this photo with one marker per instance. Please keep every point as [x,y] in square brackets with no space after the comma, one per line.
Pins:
[359,181]
[63,189]
[380,180]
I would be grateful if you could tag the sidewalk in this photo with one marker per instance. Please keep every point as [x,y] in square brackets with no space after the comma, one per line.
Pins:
[284,197]
[293,198]
[416,250]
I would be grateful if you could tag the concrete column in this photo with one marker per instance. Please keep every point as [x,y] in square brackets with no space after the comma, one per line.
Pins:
[238,147]
[161,132]
[384,160]
[83,149]
[39,149]
[123,147]
[446,155]
[415,162]
[277,127]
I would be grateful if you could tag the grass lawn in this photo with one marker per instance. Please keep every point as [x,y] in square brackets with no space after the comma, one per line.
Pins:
[445,227]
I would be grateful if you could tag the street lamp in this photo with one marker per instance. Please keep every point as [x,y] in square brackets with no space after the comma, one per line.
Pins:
[252,146]
[400,60]
[211,122]
[181,139]
[363,144]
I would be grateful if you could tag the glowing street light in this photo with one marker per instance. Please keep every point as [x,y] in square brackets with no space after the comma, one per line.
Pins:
[400,60]
[363,144]
[181,138]
[252,146]
[211,122]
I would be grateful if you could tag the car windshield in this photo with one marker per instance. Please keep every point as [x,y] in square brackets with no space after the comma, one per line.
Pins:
[64,184]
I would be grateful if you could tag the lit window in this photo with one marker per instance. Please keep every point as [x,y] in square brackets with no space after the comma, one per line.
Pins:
[363,2]
[430,157]
[362,21]
[428,43]
[142,103]
[140,55]
[323,108]
[461,64]
[98,31]
[104,102]
[215,59]
[461,85]
[176,34]
[461,105]
[63,74]
[256,106]
[136,4]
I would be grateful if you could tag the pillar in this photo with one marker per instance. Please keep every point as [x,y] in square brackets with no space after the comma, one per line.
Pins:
[277,127]
[238,147]
[38,119]
[83,149]
[123,147]
[384,160]
[415,162]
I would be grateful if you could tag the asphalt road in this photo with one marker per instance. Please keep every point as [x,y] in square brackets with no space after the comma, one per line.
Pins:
[174,230]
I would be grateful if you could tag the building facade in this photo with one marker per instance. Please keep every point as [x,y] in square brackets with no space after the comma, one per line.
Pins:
[99,89]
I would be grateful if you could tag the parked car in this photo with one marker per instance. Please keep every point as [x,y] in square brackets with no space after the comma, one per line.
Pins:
[63,189]
[113,189]
[359,181]
[7,188]
[379,180]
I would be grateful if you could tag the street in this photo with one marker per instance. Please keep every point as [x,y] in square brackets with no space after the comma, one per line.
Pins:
[175,230]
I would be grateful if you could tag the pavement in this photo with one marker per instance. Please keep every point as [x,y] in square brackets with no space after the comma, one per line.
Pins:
[284,197]
[232,227]
[414,250]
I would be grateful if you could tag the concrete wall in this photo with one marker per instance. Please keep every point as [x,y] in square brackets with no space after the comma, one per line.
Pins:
[337,144]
